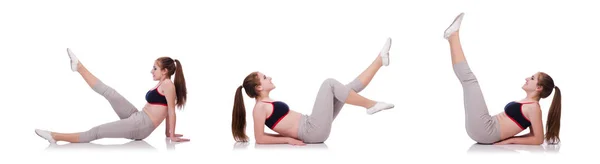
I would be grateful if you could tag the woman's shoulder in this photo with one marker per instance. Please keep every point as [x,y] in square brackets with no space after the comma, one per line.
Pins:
[166,85]
[261,105]
[531,108]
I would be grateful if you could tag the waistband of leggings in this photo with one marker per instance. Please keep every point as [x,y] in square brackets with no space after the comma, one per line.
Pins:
[301,126]
[148,117]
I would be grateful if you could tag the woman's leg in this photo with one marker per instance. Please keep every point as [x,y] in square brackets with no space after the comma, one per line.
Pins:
[363,80]
[138,126]
[480,126]
[322,114]
[382,59]
[120,105]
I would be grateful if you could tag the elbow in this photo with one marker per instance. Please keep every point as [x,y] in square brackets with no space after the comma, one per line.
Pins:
[538,141]
[260,140]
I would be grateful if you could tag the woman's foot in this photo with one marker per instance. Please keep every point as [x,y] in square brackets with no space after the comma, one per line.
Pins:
[45,135]
[379,106]
[454,26]
[385,55]
[74,60]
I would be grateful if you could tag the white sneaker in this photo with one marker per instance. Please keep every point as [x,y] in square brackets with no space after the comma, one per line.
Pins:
[74,60]
[46,135]
[385,55]
[454,26]
[379,106]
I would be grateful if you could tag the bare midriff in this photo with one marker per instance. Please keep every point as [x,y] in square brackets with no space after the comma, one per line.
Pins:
[157,113]
[508,127]
[288,126]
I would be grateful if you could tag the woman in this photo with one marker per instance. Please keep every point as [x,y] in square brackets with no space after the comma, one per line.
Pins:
[517,115]
[295,128]
[133,124]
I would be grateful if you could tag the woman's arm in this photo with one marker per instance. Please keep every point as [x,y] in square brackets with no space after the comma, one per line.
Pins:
[259,116]
[169,91]
[168,124]
[536,133]
[274,135]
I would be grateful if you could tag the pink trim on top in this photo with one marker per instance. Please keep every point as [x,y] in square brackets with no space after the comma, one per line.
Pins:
[523,114]
[515,121]
[281,118]
[157,86]
[157,91]
[158,104]
[526,102]
[272,110]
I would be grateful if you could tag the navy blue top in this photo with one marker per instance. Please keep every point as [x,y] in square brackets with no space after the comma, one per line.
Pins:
[514,111]
[156,98]
[280,110]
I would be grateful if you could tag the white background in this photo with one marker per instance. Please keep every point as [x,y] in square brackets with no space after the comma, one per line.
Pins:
[299,44]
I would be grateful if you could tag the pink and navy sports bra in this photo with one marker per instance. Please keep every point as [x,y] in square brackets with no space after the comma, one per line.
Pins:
[156,98]
[514,111]
[280,110]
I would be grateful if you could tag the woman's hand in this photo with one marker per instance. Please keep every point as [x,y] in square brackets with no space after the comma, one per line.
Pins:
[176,135]
[179,139]
[504,142]
[293,141]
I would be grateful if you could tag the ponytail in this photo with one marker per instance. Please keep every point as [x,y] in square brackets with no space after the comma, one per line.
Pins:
[238,120]
[553,120]
[180,88]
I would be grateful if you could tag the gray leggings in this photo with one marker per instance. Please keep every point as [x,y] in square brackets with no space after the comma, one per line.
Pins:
[134,124]
[481,127]
[315,128]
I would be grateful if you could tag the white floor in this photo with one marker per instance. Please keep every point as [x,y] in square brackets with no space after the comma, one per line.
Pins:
[241,146]
[546,148]
[339,148]
[155,150]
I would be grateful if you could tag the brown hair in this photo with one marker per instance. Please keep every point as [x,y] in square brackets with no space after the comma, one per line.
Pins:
[238,120]
[553,120]
[174,67]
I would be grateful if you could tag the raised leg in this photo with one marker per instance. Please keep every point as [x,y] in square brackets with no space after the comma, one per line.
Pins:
[323,110]
[363,80]
[120,105]
[479,124]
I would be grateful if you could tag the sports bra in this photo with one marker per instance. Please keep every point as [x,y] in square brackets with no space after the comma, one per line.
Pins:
[156,98]
[514,111]
[280,110]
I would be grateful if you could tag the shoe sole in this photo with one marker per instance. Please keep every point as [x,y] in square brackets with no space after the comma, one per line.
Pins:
[70,59]
[388,53]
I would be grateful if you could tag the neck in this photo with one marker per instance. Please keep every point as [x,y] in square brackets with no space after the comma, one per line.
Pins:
[263,97]
[531,97]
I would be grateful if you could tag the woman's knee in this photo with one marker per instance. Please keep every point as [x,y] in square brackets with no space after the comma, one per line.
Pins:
[330,82]
[88,136]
